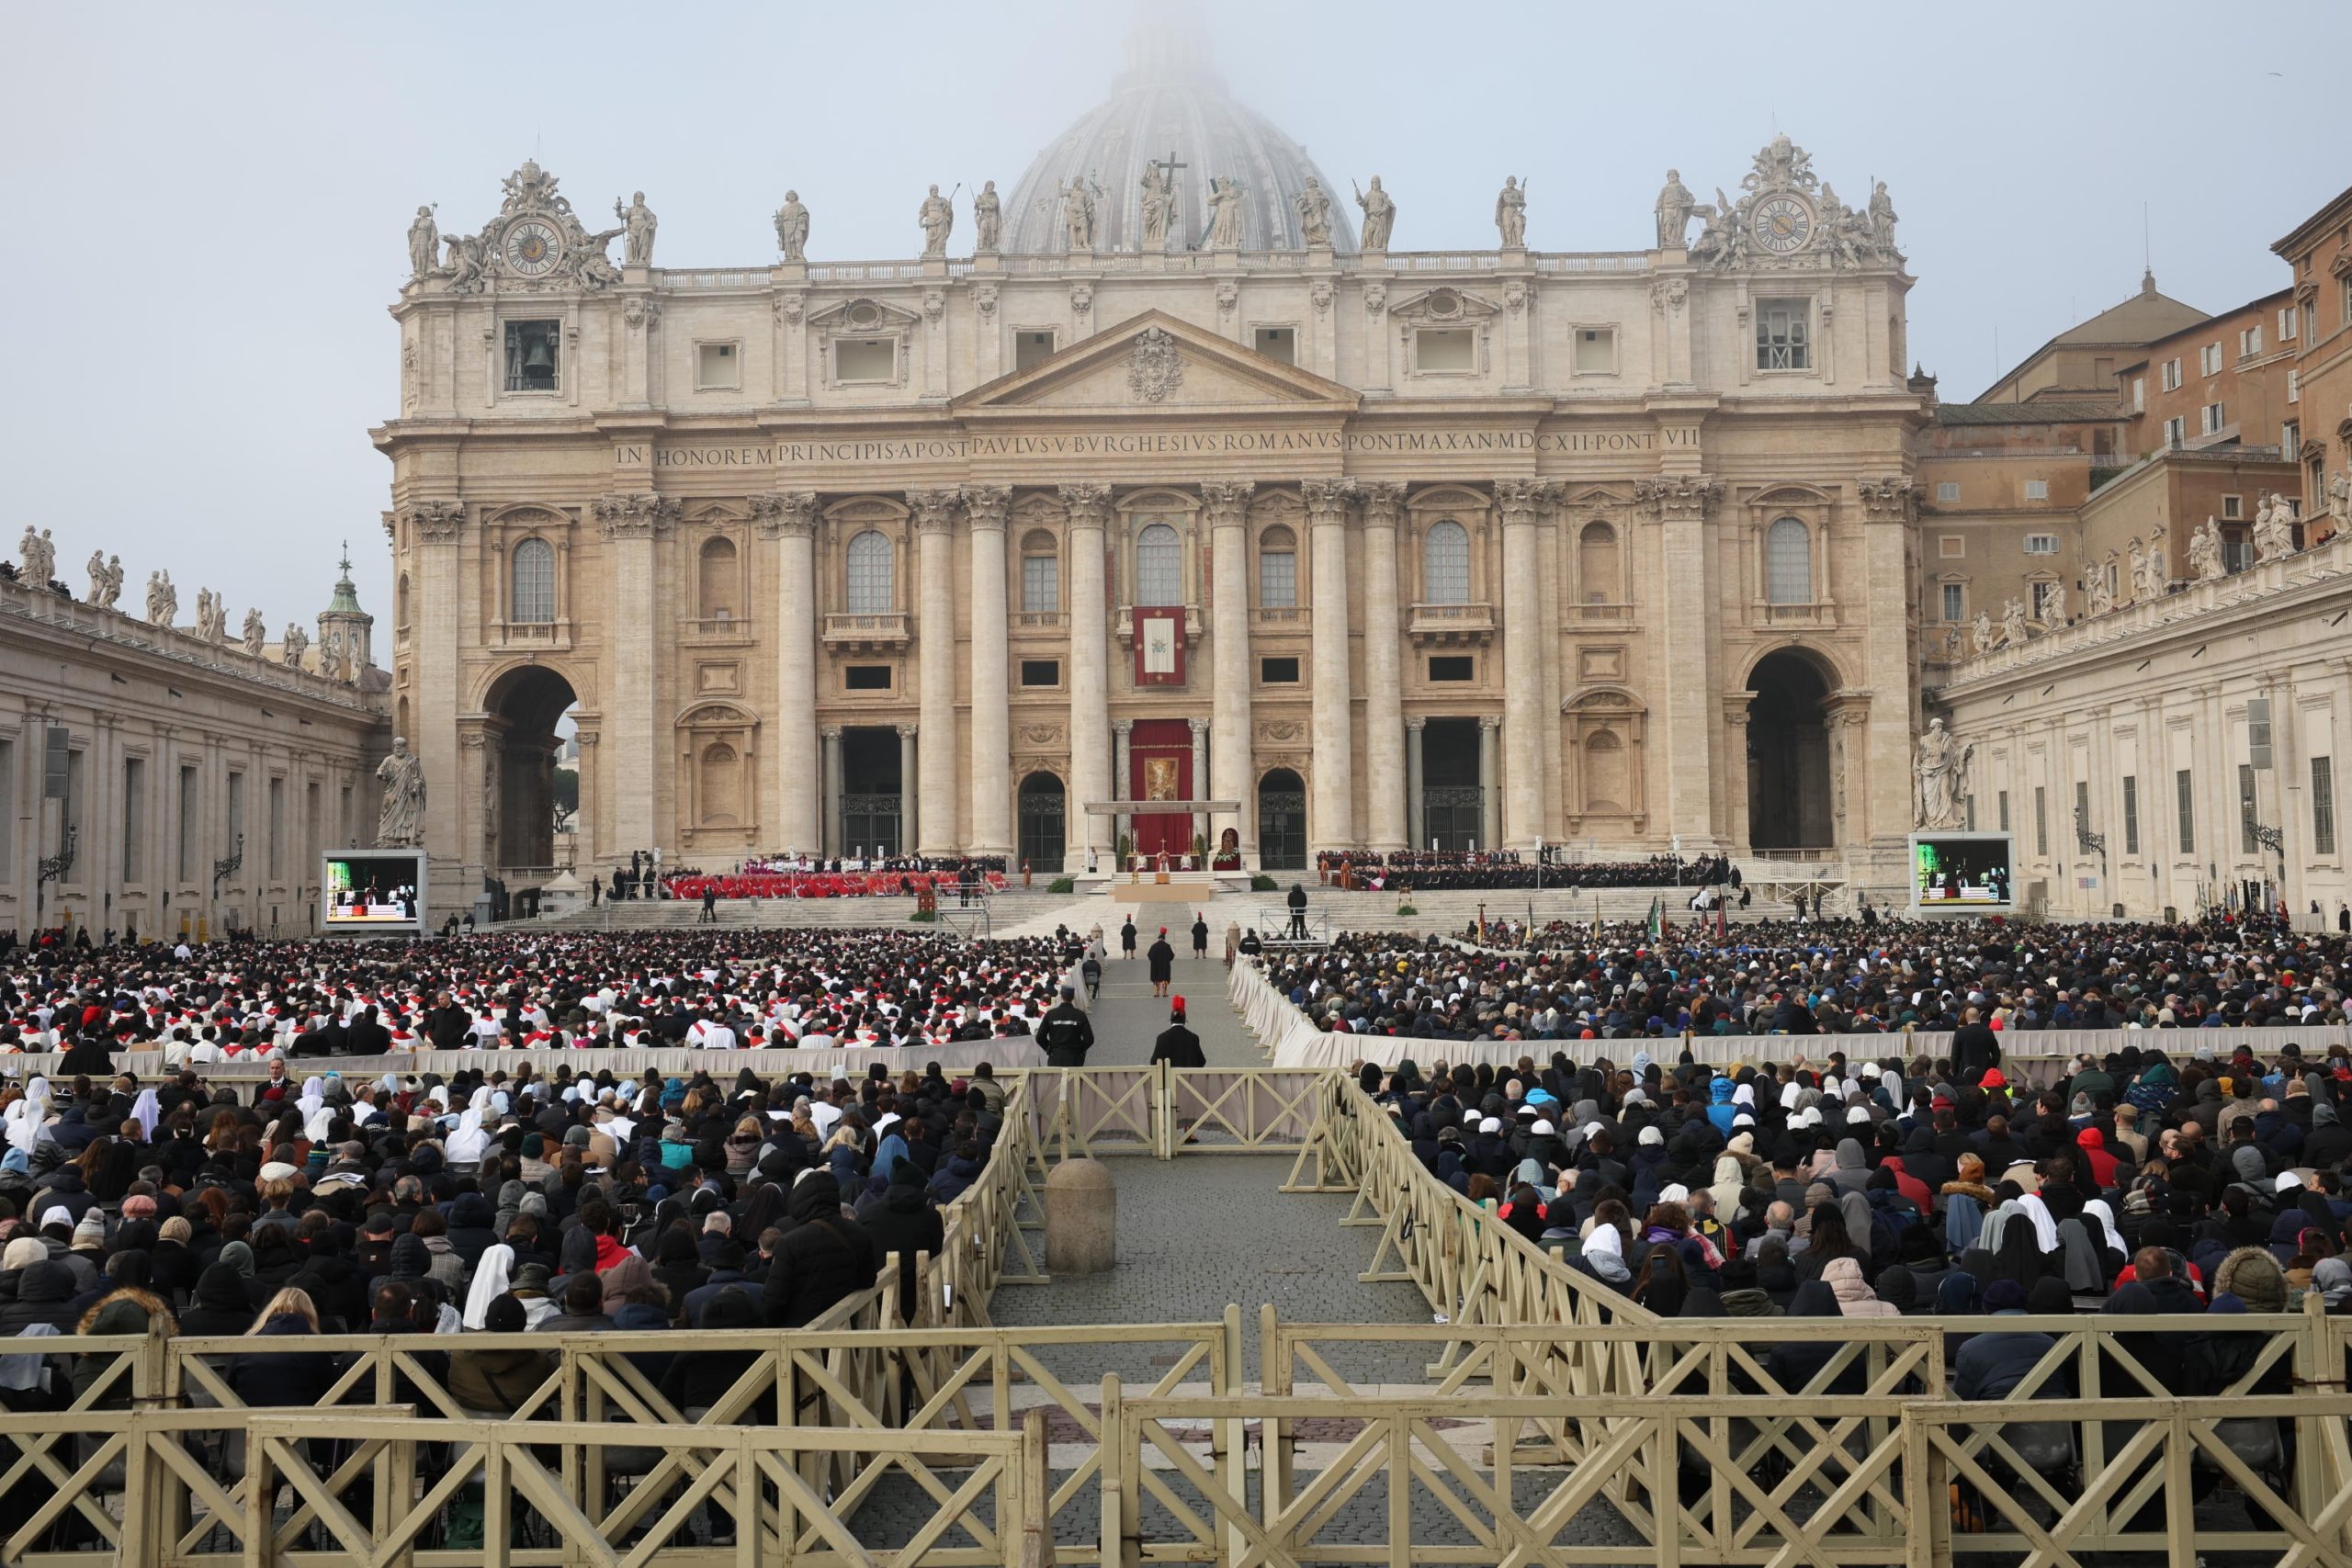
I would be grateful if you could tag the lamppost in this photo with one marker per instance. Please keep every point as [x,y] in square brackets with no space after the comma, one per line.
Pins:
[222,868]
[53,868]
[2087,843]
[2275,841]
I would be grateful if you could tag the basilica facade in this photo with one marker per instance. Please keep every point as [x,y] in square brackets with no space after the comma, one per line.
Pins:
[1156,481]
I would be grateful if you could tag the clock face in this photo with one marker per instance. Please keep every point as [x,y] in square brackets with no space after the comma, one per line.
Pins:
[1782,224]
[531,247]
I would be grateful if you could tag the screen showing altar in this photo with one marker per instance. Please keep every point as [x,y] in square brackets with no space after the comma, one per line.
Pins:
[1961,872]
[375,890]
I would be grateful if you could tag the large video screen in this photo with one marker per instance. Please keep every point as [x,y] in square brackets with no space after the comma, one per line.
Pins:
[373,890]
[1960,871]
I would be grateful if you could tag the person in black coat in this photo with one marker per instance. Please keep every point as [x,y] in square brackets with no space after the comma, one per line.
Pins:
[366,1037]
[1065,1033]
[1127,938]
[903,1221]
[1177,1045]
[86,1055]
[1975,1046]
[825,1257]
[1199,935]
[1162,959]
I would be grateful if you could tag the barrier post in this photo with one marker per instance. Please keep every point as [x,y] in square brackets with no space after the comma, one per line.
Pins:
[1275,1444]
[1035,1489]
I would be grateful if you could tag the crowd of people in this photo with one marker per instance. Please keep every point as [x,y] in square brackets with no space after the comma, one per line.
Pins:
[550,989]
[1494,870]
[1620,981]
[802,876]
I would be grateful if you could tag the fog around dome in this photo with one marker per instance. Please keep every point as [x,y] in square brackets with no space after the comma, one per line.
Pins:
[1168,103]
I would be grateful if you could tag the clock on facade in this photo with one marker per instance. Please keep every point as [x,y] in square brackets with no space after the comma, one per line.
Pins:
[531,247]
[1780,224]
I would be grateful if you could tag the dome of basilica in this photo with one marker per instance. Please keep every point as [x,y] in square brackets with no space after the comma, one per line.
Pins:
[1169,106]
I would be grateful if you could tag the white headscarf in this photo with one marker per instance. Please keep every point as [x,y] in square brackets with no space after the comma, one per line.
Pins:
[2045,1224]
[469,1142]
[1607,1243]
[2096,1209]
[491,1281]
[147,1110]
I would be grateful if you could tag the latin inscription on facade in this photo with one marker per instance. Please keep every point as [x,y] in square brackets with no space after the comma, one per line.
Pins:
[1147,444]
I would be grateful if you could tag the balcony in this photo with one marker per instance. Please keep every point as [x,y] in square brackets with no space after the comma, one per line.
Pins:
[549,637]
[1123,628]
[1450,626]
[719,631]
[1823,614]
[865,634]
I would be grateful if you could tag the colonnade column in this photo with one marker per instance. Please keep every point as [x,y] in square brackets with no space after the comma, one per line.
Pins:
[1090,657]
[1413,835]
[791,522]
[1227,504]
[909,796]
[1523,670]
[991,830]
[630,525]
[429,528]
[1332,806]
[1201,772]
[1682,504]
[935,520]
[1383,675]
[831,738]
[1490,794]
[1123,732]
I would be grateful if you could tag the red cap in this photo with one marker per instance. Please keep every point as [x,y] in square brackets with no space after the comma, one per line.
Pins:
[1993,1079]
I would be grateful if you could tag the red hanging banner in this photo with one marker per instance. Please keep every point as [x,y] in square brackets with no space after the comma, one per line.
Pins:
[1159,645]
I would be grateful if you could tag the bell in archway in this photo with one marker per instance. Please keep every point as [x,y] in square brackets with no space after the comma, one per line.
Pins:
[538,356]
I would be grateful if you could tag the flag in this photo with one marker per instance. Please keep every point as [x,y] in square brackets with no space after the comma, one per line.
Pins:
[1657,922]
[1723,919]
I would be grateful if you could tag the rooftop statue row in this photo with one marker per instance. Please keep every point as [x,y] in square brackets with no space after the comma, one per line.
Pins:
[1786,217]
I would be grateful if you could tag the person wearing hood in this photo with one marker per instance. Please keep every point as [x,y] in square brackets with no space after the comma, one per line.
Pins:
[127,1312]
[824,1258]
[471,1232]
[1855,1297]
[220,1306]
[902,1222]
[1793,1364]
[44,1297]
[955,1174]
[1720,1109]
[1991,1364]
[497,1383]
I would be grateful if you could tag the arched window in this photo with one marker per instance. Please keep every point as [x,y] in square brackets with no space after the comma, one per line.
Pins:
[1597,576]
[1788,563]
[1277,569]
[1041,573]
[533,598]
[1445,564]
[869,574]
[1159,565]
[720,579]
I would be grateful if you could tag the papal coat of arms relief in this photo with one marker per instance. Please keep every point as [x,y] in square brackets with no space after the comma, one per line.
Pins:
[1158,368]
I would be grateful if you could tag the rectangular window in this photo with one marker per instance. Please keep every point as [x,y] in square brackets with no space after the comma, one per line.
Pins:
[2041,544]
[2258,733]
[2309,319]
[1452,667]
[2043,593]
[1444,351]
[1955,601]
[2246,844]
[1041,584]
[2290,439]
[187,827]
[1041,672]
[1952,546]
[2175,431]
[1596,350]
[2208,359]
[1031,347]
[532,354]
[2344,302]
[1947,492]
[277,830]
[2210,420]
[2139,393]
[134,819]
[1277,580]
[2184,809]
[2294,386]
[2250,341]
[1278,671]
[2172,375]
[2323,806]
[2001,801]
[2233,507]
[2286,323]
[2037,489]
[865,359]
[2131,815]
[718,367]
[867,677]
[1782,334]
[2040,823]
[1277,343]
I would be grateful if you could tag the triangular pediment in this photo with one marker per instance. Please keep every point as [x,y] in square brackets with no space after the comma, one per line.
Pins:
[1157,362]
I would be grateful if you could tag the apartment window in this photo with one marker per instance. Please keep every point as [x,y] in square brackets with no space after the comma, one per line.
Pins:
[2250,341]
[534,584]
[2184,809]
[2344,301]
[2287,324]
[1041,584]
[2308,321]
[187,830]
[1782,334]
[1277,570]
[2037,489]
[1788,563]
[2210,420]
[2294,387]
[2172,375]
[867,677]
[1278,671]
[2175,431]
[2040,823]
[865,359]
[2208,359]
[2233,507]
[1596,350]
[2131,815]
[2001,801]
[1041,672]
[1952,546]
[2139,393]
[2290,438]
[2041,544]
[1444,351]
[1955,601]
[1947,492]
[2246,844]
[1452,667]
[870,590]
[532,350]
[1031,347]
[1277,343]
[2043,592]
[2323,806]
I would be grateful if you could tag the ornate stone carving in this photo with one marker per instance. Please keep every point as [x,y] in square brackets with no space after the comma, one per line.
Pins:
[1375,300]
[162,599]
[640,311]
[1515,296]
[106,580]
[1669,293]
[1381,498]
[984,300]
[1890,499]
[638,516]
[399,823]
[1077,198]
[1674,204]
[1157,367]
[1279,730]
[936,216]
[987,219]
[1313,206]
[1980,632]
[1229,295]
[988,505]
[436,519]
[638,224]
[1510,213]
[2098,597]
[1322,295]
[2274,528]
[1789,218]
[212,616]
[1379,214]
[2207,561]
[1039,735]
[423,245]
[1518,498]
[792,228]
[792,515]
[1678,497]
[934,510]
[1226,197]
[1082,299]
[2013,627]
[1088,505]
[1327,499]
[255,634]
[37,558]
[789,308]
[1157,208]
[293,645]
[1226,501]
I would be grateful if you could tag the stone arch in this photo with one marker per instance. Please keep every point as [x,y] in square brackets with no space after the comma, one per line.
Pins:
[1041,808]
[718,785]
[1608,746]
[717,751]
[525,703]
[719,579]
[1790,786]
[1282,820]
[1600,569]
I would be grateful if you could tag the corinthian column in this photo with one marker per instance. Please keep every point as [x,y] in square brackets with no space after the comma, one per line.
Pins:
[791,522]
[1332,810]
[1090,657]
[991,830]
[630,525]
[935,520]
[1681,506]
[1230,685]
[1383,675]
[1523,673]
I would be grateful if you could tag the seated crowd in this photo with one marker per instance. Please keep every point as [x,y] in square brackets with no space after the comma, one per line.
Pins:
[802,876]
[1620,981]
[1438,871]
[776,988]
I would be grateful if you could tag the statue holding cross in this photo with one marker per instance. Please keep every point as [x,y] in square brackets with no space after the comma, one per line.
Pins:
[1159,203]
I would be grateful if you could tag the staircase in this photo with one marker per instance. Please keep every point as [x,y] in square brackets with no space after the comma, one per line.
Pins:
[1004,909]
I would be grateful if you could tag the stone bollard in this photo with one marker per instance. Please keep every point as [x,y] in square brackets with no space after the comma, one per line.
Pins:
[1081,1218]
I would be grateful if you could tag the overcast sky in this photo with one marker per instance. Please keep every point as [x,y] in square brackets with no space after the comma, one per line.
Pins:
[206,204]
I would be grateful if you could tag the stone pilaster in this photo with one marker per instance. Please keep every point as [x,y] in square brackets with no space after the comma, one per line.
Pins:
[1383,675]
[935,524]
[1201,772]
[909,797]
[1682,504]
[1331,808]
[991,754]
[1413,729]
[1123,731]
[1226,505]
[1090,657]
[631,525]
[789,522]
[1490,794]
[831,738]
[1522,672]
[431,529]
